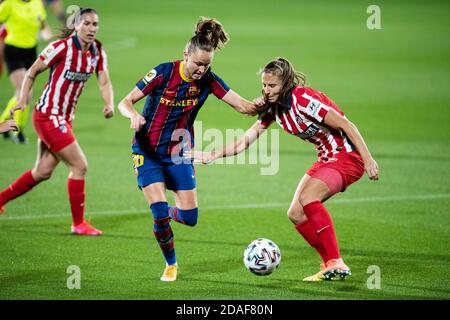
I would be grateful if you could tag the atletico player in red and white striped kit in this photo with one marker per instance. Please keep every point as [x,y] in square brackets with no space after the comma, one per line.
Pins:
[71,68]
[343,156]
[72,61]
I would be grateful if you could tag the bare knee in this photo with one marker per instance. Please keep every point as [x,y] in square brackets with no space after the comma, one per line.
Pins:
[296,215]
[41,174]
[79,171]
[307,197]
[83,169]
[291,214]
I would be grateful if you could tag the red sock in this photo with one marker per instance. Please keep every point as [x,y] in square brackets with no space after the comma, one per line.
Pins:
[307,230]
[22,185]
[76,198]
[320,218]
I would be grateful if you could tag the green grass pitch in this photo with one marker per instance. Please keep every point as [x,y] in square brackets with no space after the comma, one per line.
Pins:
[393,83]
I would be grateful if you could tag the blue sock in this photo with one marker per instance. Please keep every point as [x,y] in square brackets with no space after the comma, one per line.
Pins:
[163,231]
[187,217]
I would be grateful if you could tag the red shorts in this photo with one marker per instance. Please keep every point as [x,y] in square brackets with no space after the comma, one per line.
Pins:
[53,130]
[338,174]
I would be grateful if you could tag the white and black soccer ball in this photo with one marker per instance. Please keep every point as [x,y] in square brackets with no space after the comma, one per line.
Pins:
[262,257]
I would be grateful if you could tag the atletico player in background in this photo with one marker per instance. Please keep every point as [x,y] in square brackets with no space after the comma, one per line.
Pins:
[342,156]
[72,61]
[175,93]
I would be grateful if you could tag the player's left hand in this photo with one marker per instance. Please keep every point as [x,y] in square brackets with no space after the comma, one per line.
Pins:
[372,170]
[108,111]
[199,156]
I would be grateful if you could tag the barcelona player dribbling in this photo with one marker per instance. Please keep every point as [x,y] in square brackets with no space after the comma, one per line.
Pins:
[342,156]
[175,93]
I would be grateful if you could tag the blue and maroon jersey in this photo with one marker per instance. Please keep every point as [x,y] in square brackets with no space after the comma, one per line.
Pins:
[173,103]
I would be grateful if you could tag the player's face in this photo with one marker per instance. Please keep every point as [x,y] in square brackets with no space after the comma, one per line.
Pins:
[272,86]
[197,63]
[88,27]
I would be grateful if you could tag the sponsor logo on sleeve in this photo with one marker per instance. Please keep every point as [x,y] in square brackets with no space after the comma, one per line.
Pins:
[48,51]
[149,77]
[313,107]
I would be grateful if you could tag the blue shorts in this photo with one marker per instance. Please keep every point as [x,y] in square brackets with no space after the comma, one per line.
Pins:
[151,169]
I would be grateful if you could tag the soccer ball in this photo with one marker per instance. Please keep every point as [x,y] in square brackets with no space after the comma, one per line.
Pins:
[262,257]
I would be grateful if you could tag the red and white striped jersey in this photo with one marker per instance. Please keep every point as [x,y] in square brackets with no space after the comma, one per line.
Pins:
[304,119]
[70,68]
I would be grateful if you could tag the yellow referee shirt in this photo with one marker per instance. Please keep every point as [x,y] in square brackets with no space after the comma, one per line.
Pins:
[23,21]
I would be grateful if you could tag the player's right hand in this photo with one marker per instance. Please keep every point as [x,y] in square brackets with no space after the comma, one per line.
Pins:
[137,121]
[259,102]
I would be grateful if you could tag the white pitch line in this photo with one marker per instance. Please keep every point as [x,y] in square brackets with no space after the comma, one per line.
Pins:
[125,43]
[236,206]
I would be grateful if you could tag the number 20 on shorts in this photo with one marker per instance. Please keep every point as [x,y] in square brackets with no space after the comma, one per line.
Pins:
[138,160]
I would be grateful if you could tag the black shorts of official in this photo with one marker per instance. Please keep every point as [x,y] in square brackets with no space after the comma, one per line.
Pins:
[18,58]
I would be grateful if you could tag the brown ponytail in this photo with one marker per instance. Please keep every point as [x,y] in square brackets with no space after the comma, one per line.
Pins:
[209,36]
[290,78]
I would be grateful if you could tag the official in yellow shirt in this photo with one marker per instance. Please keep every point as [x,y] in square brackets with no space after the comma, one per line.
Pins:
[24,19]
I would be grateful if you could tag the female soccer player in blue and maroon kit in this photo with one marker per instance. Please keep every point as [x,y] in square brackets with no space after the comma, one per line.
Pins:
[175,93]
[342,156]
[71,60]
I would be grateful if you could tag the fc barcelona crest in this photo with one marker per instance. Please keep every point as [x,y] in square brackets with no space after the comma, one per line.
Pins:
[192,91]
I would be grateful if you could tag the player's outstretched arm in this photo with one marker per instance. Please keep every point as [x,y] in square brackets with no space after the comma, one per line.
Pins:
[127,110]
[232,149]
[240,104]
[337,121]
[36,68]
[107,92]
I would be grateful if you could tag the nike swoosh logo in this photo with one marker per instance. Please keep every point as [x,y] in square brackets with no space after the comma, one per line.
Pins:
[320,230]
